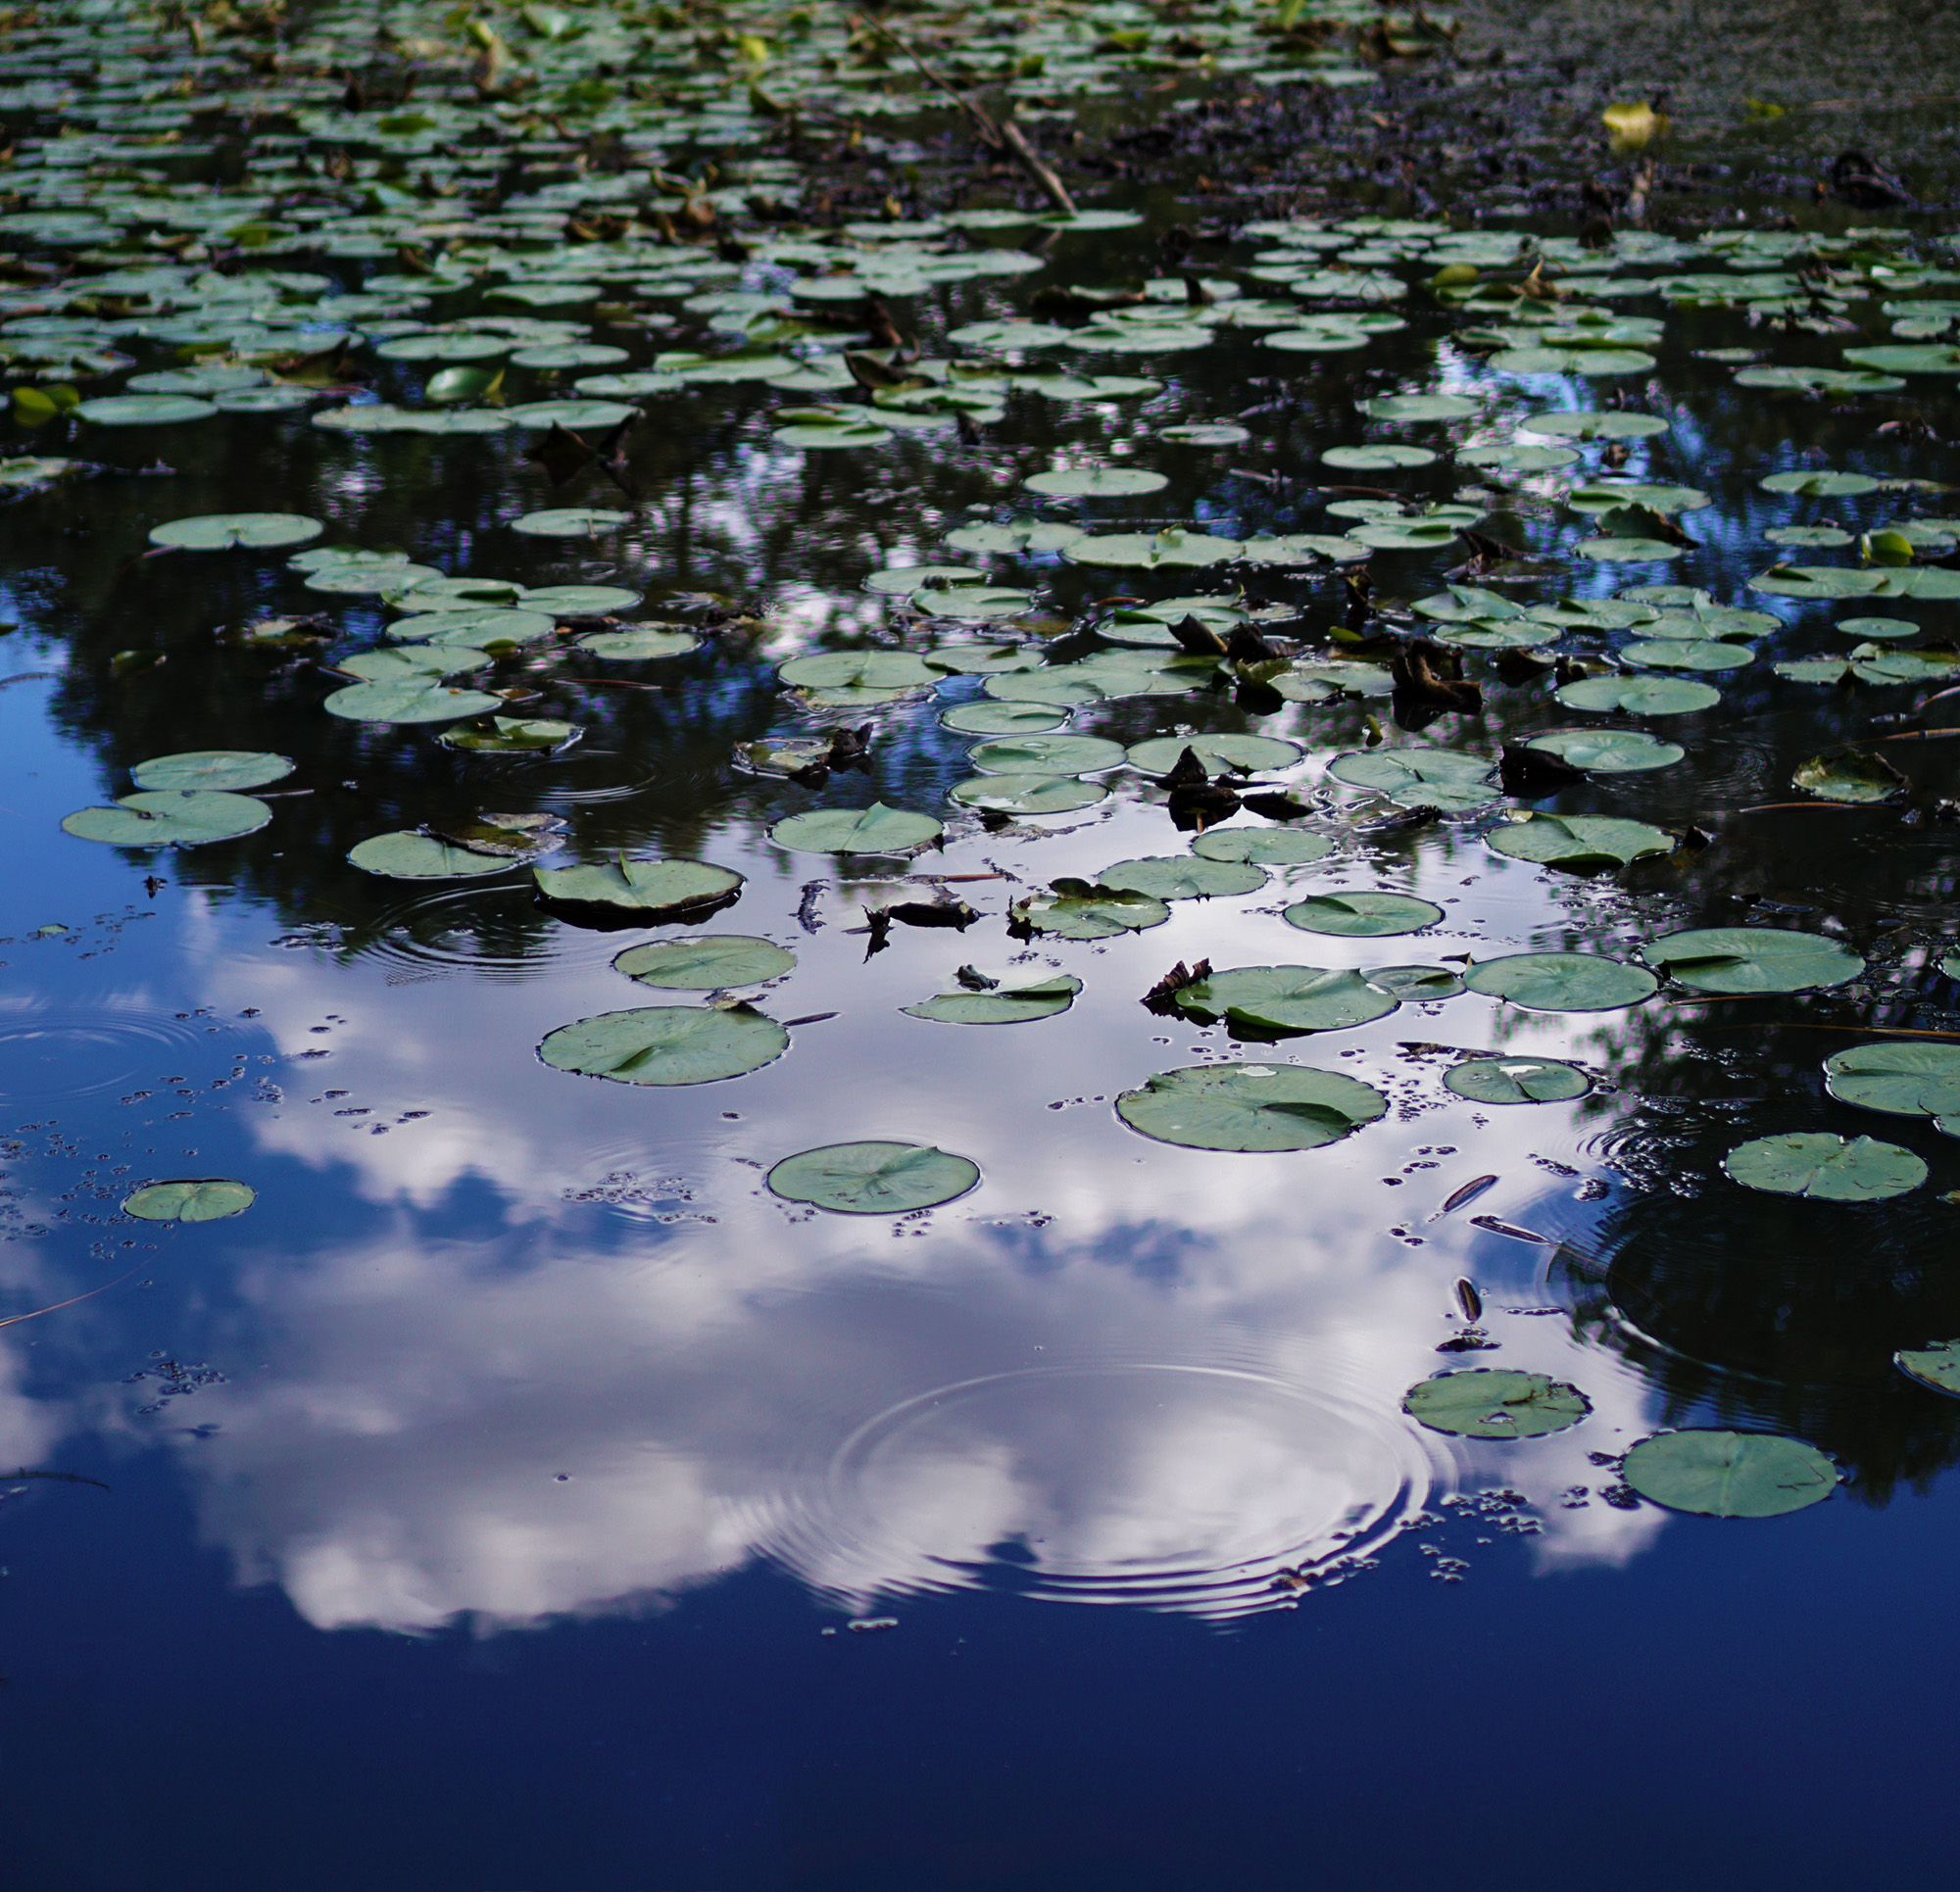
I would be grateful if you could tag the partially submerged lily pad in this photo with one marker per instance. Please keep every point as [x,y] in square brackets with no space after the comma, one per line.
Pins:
[1825,1167]
[1250,1107]
[667,1044]
[874,1178]
[1285,999]
[1496,1402]
[1012,998]
[208,1199]
[1730,1475]
[1079,909]
[1937,1365]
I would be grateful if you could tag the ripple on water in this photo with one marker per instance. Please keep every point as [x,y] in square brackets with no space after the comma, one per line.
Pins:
[45,1056]
[1173,1486]
[490,931]
[584,774]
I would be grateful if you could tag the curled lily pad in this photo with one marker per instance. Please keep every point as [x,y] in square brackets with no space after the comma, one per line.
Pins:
[706,961]
[1078,909]
[1496,1402]
[1159,755]
[1014,998]
[1825,1167]
[1562,982]
[407,855]
[874,1178]
[1250,1106]
[1936,1366]
[667,1044]
[170,818]
[1730,1475]
[1849,775]
[216,531]
[646,893]
[1516,1079]
[1639,696]
[1608,751]
[876,830]
[1901,1080]
[1285,999]
[1264,846]
[223,769]
[1362,915]
[1417,985]
[1752,959]
[1183,877]
[1028,793]
[510,735]
[1579,843]
[205,1198]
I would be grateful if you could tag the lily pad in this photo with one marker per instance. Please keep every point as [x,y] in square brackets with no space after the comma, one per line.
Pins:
[647,892]
[1015,999]
[1849,775]
[1688,653]
[1825,1167]
[216,531]
[406,854]
[1362,915]
[144,410]
[410,699]
[1730,1475]
[1562,982]
[482,628]
[1004,718]
[1183,877]
[579,600]
[1286,998]
[510,735]
[874,1178]
[1096,482]
[1739,959]
[571,522]
[1936,1366]
[895,670]
[1147,551]
[1516,1079]
[206,1198]
[1250,1107]
[1419,777]
[1579,843]
[1047,754]
[223,769]
[706,961]
[1159,755]
[1376,459]
[1901,1080]
[1607,424]
[1078,909]
[1496,1402]
[1028,793]
[638,645]
[667,1044]
[1639,696]
[876,830]
[1419,407]
[170,818]
[1264,846]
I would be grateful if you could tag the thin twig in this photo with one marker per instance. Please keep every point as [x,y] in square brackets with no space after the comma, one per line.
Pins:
[1772,808]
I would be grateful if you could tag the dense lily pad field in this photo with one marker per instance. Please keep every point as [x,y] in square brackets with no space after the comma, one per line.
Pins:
[862,738]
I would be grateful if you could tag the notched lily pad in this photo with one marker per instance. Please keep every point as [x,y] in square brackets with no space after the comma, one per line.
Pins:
[1580,843]
[1496,1402]
[667,1044]
[1012,998]
[409,854]
[1516,1079]
[1901,1080]
[1825,1167]
[1562,982]
[217,531]
[1740,959]
[170,818]
[874,1178]
[1730,1475]
[876,830]
[638,893]
[1362,915]
[208,1199]
[1282,1000]
[1250,1107]
[706,962]
[1079,909]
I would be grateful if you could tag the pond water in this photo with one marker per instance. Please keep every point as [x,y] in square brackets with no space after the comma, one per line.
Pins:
[506,1468]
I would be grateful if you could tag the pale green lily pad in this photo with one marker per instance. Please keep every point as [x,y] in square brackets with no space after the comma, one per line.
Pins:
[859,669]
[1078,909]
[1096,482]
[1590,424]
[1496,1402]
[217,531]
[205,1198]
[410,699]
[1376,459]
[1517,634]
[406,854]
[1508,457]
[1419,777]
[876,830]
[1639,696]
[571,523]
[1627,552]
[1579,843]
[1818,581]
[706,961]
[1418,406]
[510,735]
[1250,1107]
[1937,1365]
[1609,751]
[1287,999]
[221,769]
[1820,485]
[1039,755]
[1173,546]
[650,892]
[1562,982]
[1004,718]
[1183,877]
[1028,793]
[579,600]
[480,627]
[1848,775]
[900,581]
[1206,433]
[1016,538]
[1877,630]
[1825,1167]
[667,1044]
[1901,1080]
[874,1178]
[1922,358]
[1219,754]
[638,645]
[1516,1079]
[1730,1475]
[1738,959]
[1015,999]
[1362,915]
[170,818]
[1264,846]
[983,660]
[144,410]
[366,578]
[1688,653]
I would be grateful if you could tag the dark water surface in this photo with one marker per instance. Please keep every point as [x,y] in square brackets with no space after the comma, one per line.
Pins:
[520,1496]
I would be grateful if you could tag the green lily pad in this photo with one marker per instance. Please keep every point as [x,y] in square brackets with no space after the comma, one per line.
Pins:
[1419,777]
[571,523]
[1286,998]
[1015,999]
[579,601]
[221,769]
[410,699]
[1096,482]
[1588,424]
[667,1044]
[1818,581]
[1183,877]
[216,531]
[1922,358]
[1015,538]
[478,627]
[1078,909]
[1730,1475]
[1608,751]
[1825,1167]
[1418,406]
[1639,696]
[1877,630]
[1579,843]
[1820,485]
[144,410]
[1362,915]
[983,660]
[1562,982]
[1004,718]
[902,581]
[205,1198]
[1688,653]
[1219,754]
[706,961]
[1264,847]
[348,577]
[1936,1366]
[650,892]
[510,735]
[170,818]
[1376,459]
[1028,793]
[1628,552]
[1250,1107]
[1047,754]
[1146,551]
[1901,1080]
[406,854]
[874,1178]
[1508,457]
[858,669]
[1206,433]
[876,830]
[1740,959]
[1496,1402]
[638,645]
[1848,775]
[1417,985]
[1516,1079]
